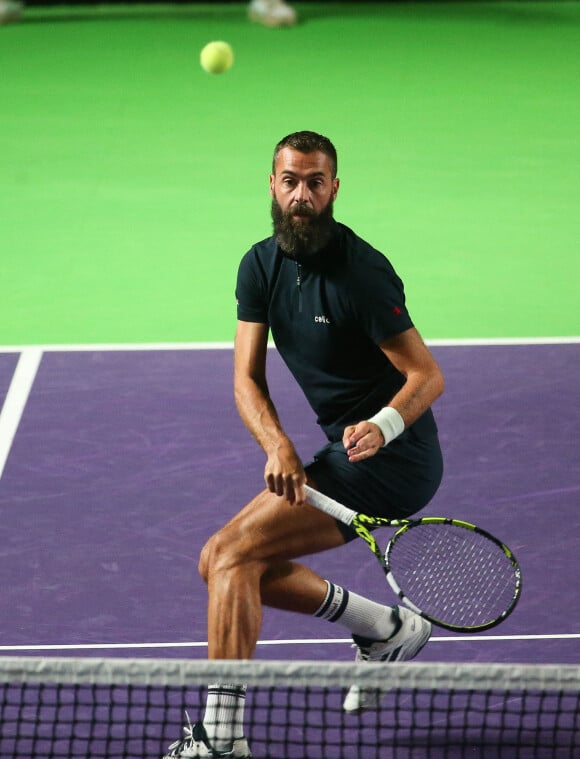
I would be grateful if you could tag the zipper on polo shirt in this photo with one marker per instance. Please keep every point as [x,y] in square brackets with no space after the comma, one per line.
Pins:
[299,286]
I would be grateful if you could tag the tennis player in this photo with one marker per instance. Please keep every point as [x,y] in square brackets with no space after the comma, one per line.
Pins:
[336,310]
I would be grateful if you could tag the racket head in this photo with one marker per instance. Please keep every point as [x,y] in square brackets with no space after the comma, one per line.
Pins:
[453,573]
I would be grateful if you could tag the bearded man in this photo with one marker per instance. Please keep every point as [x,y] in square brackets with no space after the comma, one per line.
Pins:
[336,311]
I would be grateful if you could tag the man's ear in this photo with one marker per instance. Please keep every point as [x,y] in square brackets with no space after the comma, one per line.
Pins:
[335,186]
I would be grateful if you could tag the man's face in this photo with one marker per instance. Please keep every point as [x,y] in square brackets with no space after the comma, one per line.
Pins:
[303,191]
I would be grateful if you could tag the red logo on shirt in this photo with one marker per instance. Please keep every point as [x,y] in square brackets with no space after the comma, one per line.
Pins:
[397,311]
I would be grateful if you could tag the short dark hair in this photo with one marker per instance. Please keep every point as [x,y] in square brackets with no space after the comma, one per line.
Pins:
[308,142]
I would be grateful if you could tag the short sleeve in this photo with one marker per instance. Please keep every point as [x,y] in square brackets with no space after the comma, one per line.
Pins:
[380,302]
[251,290]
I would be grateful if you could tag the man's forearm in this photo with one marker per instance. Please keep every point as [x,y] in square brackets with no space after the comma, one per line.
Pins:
[417,394]
[259,415]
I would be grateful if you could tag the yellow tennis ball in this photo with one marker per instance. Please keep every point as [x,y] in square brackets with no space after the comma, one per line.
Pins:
[217,57]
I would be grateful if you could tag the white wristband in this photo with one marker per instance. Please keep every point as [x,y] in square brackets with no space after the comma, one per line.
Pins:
[390,422]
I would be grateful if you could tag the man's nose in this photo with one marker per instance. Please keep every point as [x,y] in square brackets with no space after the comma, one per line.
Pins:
[302,193]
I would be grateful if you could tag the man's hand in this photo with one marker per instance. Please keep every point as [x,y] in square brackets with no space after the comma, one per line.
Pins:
[362,440]
[285,475]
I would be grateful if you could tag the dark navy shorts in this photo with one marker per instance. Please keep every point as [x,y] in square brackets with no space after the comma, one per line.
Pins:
[396,482]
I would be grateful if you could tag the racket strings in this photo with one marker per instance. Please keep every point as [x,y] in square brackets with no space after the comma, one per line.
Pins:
[454,574]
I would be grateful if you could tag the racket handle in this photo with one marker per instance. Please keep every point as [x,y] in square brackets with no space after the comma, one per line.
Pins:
[329,505]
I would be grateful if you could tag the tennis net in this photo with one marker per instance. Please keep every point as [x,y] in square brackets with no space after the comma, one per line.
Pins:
[133,708]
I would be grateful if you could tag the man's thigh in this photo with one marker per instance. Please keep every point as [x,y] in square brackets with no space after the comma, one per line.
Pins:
[270,528]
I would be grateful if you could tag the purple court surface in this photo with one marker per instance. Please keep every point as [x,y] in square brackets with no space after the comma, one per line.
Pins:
[124,462]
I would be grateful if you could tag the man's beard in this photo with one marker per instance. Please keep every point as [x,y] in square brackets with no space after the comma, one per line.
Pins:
[302,238]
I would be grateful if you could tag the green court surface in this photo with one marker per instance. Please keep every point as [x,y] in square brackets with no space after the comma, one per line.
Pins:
[131,182]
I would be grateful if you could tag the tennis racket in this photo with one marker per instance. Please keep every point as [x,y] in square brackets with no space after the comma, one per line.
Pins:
[451,572]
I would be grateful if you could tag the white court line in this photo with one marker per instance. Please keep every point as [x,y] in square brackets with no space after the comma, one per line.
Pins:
[105,347]
[443,342]
[289,642]
[16,398]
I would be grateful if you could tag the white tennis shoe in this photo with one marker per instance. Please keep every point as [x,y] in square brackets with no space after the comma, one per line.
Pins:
[412,634]
[272,13]
[195,745]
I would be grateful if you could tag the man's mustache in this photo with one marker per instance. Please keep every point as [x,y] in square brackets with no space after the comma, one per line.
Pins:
[300,209]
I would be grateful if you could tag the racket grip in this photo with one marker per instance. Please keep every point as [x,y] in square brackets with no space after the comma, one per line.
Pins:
[329,506]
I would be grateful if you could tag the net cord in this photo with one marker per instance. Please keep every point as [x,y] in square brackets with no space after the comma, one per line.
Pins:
[185,672]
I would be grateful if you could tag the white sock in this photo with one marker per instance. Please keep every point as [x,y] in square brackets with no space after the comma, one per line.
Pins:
[359,615]
[224,714]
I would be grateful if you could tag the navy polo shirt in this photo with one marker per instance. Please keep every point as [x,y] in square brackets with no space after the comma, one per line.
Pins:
[327,316]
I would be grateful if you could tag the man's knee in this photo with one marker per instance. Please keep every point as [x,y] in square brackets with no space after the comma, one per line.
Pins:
[204,560]
[219,553]
[208,556]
